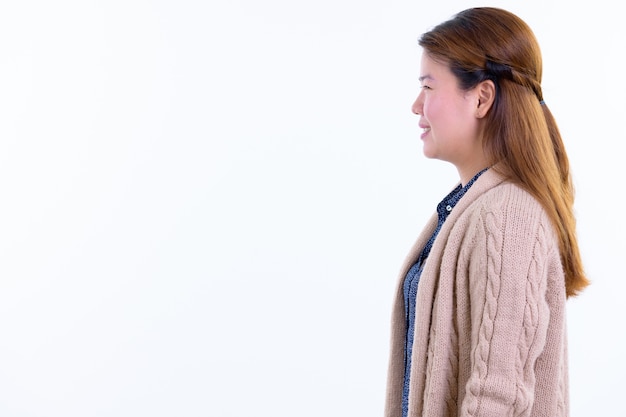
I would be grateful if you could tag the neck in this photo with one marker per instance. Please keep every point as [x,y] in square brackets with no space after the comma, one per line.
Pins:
[468,173]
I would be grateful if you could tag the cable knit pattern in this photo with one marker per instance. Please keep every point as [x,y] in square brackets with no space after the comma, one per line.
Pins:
[530,324]
[490,336]
[494,247]
[453,358]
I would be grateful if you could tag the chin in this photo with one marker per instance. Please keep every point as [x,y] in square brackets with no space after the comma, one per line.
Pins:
[428,153]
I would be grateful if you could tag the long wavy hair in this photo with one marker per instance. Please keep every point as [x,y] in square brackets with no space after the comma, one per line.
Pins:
[521,137]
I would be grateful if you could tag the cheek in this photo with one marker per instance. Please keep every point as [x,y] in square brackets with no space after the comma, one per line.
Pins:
[447,112]
[437,110]
[430,108]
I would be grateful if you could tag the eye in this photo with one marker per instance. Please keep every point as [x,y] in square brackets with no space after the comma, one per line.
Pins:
[425,87]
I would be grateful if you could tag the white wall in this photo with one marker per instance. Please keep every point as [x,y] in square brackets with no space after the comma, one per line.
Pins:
[204,205]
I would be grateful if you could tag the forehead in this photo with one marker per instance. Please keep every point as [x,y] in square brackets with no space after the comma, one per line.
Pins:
[435,70]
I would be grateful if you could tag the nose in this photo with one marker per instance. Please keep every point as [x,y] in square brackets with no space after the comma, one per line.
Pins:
[418,105]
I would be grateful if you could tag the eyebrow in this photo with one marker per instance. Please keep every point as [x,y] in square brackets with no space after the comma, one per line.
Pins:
[424,77]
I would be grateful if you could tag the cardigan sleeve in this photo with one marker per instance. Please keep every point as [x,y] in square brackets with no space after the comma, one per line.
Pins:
[509,314]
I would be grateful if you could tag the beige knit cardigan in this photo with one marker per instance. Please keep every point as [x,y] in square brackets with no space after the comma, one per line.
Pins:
[490,333]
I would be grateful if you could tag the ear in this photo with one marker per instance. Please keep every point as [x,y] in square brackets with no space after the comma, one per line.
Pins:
[486,92]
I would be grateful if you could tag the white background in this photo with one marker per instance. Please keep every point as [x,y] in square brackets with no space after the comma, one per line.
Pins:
[204,205]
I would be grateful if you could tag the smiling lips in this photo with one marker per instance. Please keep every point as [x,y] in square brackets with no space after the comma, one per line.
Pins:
[425,130]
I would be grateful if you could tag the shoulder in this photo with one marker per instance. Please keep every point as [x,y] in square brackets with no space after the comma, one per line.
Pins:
[509,201]
[514,218]
[509,240]
[507,194]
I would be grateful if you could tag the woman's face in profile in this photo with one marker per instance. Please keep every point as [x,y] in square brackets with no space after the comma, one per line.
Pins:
[447,114]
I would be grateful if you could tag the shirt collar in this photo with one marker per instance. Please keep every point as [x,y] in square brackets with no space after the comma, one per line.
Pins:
[444,208]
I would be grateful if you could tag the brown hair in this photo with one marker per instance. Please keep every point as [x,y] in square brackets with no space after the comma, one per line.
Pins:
[521,136]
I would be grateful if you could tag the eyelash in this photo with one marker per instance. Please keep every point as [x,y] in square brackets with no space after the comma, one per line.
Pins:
[425,87]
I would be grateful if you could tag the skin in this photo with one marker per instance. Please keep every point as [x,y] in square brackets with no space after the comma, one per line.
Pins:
[452,119]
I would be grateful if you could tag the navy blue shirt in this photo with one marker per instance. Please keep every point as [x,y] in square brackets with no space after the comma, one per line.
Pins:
[411,281]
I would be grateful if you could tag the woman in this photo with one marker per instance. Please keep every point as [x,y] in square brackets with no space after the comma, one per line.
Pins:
[478,325]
